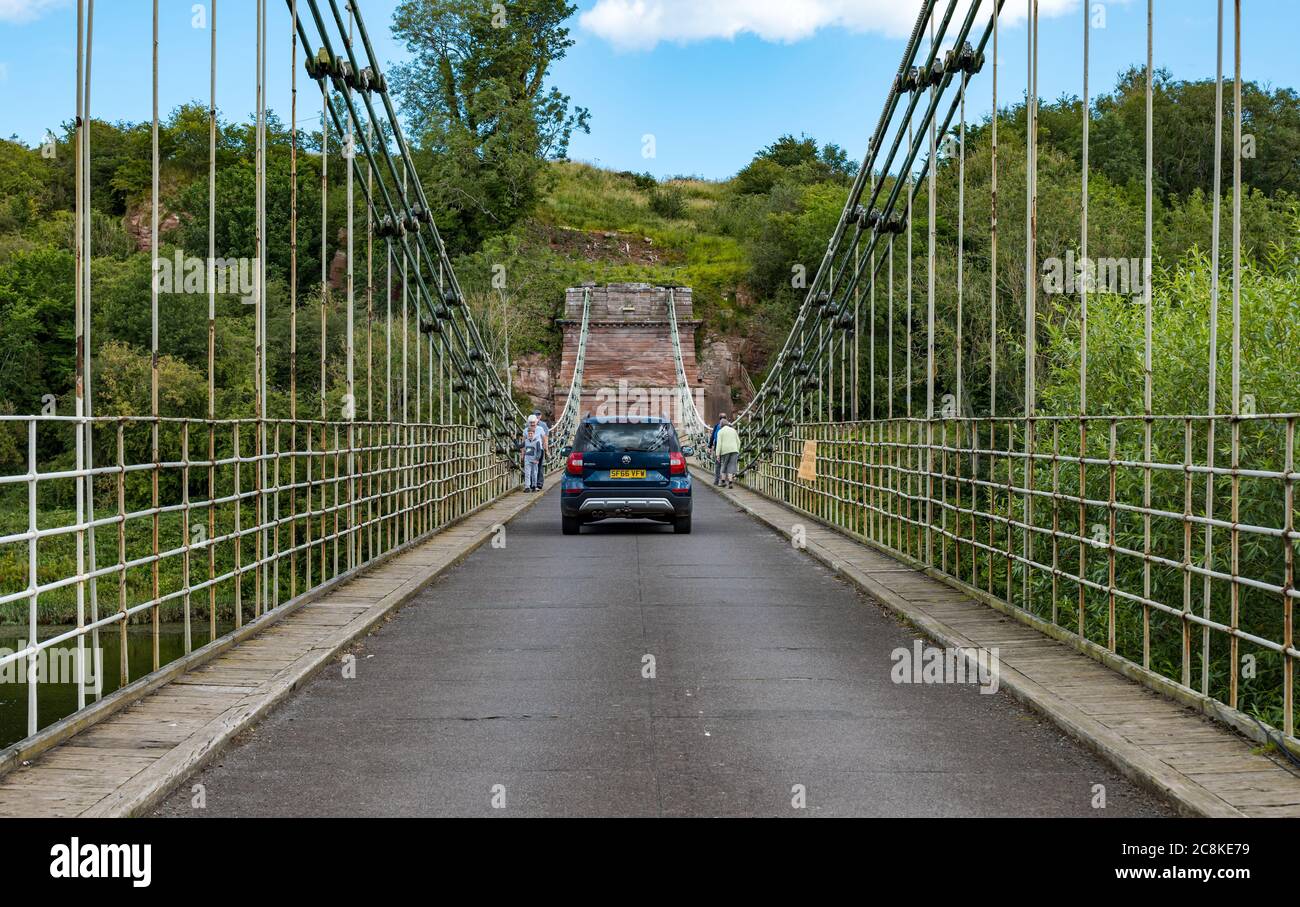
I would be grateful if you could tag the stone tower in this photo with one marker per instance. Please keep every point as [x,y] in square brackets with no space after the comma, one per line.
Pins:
[629,368]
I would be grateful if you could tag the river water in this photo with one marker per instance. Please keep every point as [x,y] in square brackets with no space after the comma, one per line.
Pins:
[57,694]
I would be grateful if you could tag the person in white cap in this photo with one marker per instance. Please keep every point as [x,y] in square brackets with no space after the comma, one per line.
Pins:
[542,427]
[533,455]
[535,430]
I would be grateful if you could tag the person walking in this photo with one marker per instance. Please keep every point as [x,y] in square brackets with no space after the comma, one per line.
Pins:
[713,443]
[533,452]
[536,424]
[728,452]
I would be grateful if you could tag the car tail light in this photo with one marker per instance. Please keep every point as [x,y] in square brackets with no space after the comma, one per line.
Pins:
[676,464]
[574,466]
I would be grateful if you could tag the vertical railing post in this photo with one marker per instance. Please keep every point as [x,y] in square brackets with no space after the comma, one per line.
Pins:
[124,667]
[185,534]
[1288,583]
[33,580]
[237,454]
[153,344]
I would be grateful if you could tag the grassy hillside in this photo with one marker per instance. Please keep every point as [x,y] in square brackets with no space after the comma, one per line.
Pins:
[598,225]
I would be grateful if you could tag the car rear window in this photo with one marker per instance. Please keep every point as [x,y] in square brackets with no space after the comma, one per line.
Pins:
[642,436]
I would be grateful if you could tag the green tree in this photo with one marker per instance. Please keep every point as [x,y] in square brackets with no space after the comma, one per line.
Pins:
[36,327]
[1182,114]
[483,116]
[235,224]
[799,160]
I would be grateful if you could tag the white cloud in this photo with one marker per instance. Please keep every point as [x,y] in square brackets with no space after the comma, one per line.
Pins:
[642,24]
[26,10]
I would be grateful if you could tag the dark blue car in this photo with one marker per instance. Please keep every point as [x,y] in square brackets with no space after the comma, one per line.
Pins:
[625,467]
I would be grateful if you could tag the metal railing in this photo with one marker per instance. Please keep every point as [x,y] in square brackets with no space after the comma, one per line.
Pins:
[337,497]
[1161,542]
[1046,517]
[567,423]
[747,383]
[109,522]
[692,423]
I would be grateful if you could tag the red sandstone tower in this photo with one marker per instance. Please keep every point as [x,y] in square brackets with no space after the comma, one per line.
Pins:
[629,368]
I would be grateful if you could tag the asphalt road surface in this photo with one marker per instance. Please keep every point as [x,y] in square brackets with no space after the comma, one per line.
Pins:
[514,686]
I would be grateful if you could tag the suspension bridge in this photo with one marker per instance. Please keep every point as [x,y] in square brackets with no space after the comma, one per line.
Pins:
[375,619]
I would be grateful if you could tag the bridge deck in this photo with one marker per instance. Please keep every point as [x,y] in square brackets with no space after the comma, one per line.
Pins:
[522,667]
[1205,767]
[122,764]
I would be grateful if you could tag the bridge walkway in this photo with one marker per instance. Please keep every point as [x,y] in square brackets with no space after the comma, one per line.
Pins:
[1199,764]
[518,676]
[516,680]
[122,763]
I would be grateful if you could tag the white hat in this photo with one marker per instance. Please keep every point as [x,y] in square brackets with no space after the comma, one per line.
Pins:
[532,419]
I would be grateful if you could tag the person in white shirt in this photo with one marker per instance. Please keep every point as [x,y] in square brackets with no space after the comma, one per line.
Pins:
[535,430]
[532,454]
[542,428]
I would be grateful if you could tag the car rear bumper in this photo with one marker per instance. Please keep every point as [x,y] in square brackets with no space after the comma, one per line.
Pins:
[608,504]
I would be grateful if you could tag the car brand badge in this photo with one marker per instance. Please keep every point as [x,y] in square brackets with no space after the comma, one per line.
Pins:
[626,459]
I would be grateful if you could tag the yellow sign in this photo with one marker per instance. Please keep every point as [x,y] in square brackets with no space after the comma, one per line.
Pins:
[808,462]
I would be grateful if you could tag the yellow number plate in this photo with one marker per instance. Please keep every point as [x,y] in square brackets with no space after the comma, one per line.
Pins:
[627,473]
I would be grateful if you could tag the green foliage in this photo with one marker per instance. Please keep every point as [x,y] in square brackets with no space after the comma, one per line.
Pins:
[26,189]
[1182,221]
[1183,131]
[796,160]
[642,181]
[1181,317]
[484,119]
[759,177]
[668,202]
[586,198]
[123,383]
[1181,307]
[522,293]
[235,226]
[740,243]
[37,349]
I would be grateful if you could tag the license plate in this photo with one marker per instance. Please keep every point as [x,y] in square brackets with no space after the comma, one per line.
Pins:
[627,473]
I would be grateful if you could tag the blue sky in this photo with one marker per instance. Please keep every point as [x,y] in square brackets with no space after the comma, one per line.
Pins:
[711,80]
